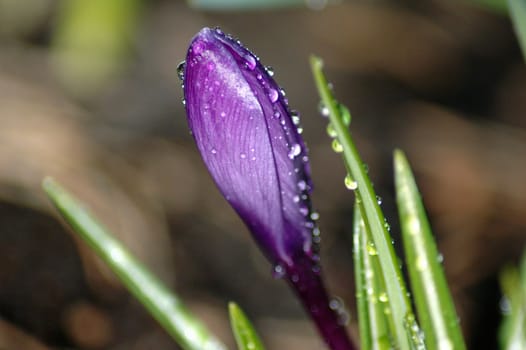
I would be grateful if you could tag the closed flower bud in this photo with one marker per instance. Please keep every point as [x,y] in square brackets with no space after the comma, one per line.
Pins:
[249,140]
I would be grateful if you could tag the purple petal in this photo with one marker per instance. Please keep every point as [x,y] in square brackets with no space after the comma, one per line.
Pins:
[250,144]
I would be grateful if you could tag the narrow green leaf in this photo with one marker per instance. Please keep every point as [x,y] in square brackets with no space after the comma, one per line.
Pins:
[373,308]
[433,300]
[359,181]
[517,11]
[244,332]
[512,332]
[163,305]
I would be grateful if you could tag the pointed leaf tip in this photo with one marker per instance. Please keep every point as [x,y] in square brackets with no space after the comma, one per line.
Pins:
[244,332]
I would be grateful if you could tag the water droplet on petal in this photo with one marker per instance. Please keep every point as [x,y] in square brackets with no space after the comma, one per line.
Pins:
[314,216]
[294,151]
[180,70]
[302,185]
[218,31]
[243,155]
[213,151]
[335,304]
[278,271]
[270,70]
[273,95]
[304,211]
[250,61]
[295,119]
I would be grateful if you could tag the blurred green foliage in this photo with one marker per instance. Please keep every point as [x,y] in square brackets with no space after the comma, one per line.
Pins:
[91,41]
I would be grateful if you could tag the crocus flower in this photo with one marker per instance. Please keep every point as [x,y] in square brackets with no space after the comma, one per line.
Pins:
[249,140]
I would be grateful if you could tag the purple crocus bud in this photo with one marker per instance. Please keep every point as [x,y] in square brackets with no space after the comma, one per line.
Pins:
[250,142]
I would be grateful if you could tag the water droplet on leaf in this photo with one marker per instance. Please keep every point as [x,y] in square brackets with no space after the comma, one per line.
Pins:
[337,146]
[323,109]
[331,131]
[350,183]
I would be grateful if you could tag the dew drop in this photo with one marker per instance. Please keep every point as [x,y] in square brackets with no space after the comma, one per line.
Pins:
[180,70]
[278,271]
[440,258]
[314,216]
[295,118]
[350,183]
[277,114]
[294,151]
[335,304]
[337,146]
[296,199]
[323,109]
[243,155]
[331,131]
[371,249]
[213,151]
[382,297]
[345,114]
[302,185]
[250,61]
[379,200]
[304,211]
[273,95]
[218,31]
[270,70]
[222,114]
[295,278]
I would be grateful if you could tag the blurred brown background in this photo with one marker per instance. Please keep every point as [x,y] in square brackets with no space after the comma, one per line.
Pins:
[89,94]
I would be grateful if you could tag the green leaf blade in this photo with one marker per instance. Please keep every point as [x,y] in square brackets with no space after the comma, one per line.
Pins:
[373,216]
[372,301]
[244,332]
[512,331]
[433,300]
[163,305]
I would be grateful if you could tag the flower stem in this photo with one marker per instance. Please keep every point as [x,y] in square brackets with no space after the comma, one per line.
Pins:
[328,315]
